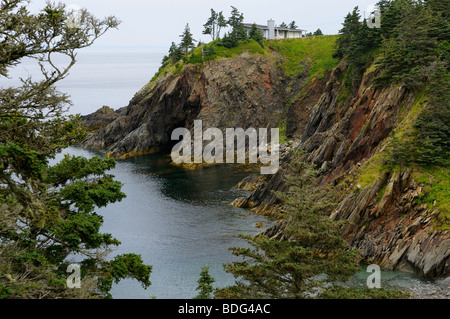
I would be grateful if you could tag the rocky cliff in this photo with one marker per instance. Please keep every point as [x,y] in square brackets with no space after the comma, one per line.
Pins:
[346,139]
[246,91]
[342,130]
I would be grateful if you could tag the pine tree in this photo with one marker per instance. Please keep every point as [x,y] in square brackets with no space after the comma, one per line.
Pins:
[175,53]
[187,40]
[292,25]
[256,34]
[48,211]
[318,32]
[350,29]
[412,49]
[433,124]
[205,284]
[215,24]
[287,268]
[237,28]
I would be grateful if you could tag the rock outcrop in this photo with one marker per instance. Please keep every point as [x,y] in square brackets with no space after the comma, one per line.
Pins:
[393,230]
[338,137]
[246,91]
[101,118]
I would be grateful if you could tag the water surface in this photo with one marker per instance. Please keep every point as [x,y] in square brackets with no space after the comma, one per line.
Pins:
[178,221]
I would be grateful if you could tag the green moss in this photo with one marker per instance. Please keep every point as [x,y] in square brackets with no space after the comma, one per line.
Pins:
[345,89]
[372,170]
[436,192]
[282,128]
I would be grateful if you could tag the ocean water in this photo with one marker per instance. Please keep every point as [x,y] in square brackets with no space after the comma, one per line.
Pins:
[100,77]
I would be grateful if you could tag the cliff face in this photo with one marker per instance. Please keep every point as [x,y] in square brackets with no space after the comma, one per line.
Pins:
[341,133]
[344,138]
[247,91]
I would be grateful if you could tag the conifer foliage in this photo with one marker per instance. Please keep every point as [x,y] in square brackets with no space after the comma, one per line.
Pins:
[314,254]
[47,212]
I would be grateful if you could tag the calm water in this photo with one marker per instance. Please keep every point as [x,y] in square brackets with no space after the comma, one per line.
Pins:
[178,220]
[98,78]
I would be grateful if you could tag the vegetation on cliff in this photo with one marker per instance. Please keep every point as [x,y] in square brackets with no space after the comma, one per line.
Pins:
[410,51]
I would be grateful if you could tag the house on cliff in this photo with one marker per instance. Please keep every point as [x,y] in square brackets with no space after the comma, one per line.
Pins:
[270,31]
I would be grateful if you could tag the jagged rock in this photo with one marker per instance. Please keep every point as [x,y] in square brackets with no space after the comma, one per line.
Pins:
[246,91]
[100,118]
[392,231]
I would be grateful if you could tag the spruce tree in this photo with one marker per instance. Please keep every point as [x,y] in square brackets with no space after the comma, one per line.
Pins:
[256,34]
[235,21]
[289,268]
[433,124]
[349,31]
[411,50]
[47,211]
[187,40]
[215,24]
[318,32]
[205,284]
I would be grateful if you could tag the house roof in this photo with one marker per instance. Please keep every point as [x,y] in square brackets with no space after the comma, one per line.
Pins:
[264,27]
[259,26]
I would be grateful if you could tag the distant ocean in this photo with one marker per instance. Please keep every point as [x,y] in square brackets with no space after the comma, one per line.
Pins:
[100,77]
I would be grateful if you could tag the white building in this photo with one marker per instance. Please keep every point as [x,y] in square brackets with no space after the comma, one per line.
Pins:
[270,31]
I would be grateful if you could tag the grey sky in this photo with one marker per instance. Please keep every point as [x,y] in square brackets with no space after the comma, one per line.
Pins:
[148,23]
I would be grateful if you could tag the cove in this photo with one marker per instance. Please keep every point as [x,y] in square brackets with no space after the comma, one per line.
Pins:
[178,220]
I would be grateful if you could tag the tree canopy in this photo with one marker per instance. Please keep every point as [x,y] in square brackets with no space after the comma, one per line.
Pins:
[312,247]
[47,211]
[215,24]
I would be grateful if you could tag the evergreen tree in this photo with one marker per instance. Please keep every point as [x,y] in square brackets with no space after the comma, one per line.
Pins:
[412,49]
[349,31]
[283,25]
[318,32]
[47,212]
[292,25]
[256,34]
[187,40]
[205,284]
[237,28]
[289,268]
[215,24]
[175,53]
[433,124]
[390,16]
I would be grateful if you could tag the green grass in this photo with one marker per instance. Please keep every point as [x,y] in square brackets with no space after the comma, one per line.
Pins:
[372,170]
[314,53]
[250,46]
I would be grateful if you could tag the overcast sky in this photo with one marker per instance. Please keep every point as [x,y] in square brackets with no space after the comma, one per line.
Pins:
[155,24]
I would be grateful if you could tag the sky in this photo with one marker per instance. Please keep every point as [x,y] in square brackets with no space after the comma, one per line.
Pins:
[156,24]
